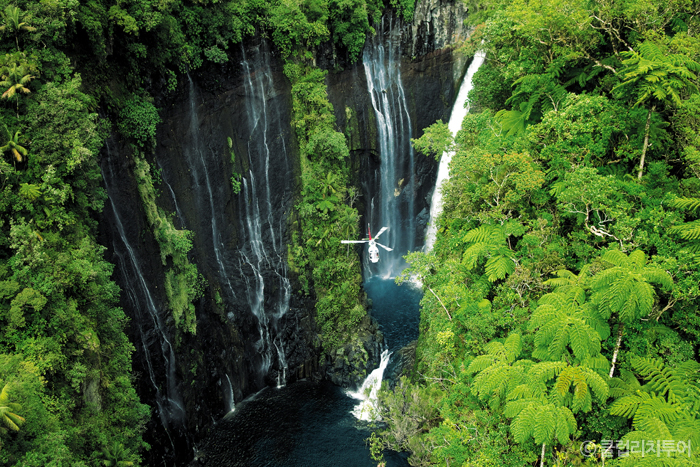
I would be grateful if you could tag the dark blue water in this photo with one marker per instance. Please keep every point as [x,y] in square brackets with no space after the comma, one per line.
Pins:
[309,424]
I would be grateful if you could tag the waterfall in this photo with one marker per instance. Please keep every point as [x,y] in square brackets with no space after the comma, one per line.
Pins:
[394,184]
[201,185]
[228,396]
[172,194]
[367,409]
[459,111]
[264,247]
[148,321]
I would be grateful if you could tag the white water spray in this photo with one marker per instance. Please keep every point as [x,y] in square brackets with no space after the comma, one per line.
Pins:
[459,111]
[394,187]
[368,409]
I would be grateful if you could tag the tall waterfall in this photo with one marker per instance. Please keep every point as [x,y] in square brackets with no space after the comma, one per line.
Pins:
[206,195]
[459,111]
[149,323]
[262,252]
[394,185]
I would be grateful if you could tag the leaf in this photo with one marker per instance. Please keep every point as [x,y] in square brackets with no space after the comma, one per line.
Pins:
[29,191]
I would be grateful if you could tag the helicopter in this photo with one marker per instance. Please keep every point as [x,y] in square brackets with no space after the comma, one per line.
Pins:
[373,250]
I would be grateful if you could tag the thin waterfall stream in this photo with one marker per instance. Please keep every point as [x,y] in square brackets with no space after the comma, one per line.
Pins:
[267,266]
[149,323]
[459,111]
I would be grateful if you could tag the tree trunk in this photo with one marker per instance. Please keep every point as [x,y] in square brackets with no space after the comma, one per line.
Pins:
[617,347]
[542,456]
[646,142]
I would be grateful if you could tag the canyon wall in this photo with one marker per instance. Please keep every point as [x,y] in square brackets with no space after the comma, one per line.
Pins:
[253,325]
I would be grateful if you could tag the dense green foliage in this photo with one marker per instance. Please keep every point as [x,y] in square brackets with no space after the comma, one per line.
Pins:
[562,293]
[326,213]
[65,362]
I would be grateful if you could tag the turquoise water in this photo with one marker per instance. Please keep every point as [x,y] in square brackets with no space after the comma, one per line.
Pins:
[309,424]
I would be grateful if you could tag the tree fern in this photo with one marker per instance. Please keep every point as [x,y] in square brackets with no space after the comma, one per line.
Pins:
[561,322]
[626,287]
[488,241]
[689,231]
[664,408]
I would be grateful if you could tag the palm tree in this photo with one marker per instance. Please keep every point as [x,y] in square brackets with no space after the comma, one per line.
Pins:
[10,419]
[12,22]
[115,456]
[13,147]
[626,289]
[656,77]
[15,79]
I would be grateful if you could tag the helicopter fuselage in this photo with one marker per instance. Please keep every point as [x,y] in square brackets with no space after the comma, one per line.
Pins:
[373,252]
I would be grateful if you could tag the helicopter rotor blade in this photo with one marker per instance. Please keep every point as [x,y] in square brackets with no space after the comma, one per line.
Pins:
[385,247]
[354,241]
[381,231]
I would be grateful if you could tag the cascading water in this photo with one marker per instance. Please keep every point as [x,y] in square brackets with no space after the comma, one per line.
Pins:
[367,409]
[202,187]
[151,331]
[459,111]
[393,189]
[172,194]
[262,251]
[228,396]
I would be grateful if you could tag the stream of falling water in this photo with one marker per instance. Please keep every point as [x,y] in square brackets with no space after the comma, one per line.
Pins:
[459,111]
[394,186]
[148,320]
[267,265]
[194,153]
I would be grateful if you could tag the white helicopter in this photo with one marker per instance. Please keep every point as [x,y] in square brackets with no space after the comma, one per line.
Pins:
[373,250]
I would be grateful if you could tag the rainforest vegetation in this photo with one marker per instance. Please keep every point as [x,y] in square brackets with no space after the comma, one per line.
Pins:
[560,322]
[72,72]
[561,300]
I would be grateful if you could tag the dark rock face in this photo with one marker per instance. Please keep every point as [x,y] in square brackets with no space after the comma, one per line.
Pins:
[192,380]
[430,82]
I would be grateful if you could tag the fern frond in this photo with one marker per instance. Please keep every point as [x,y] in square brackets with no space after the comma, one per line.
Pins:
[688,231]
[615,257]
[474,253]
[558,344]
[638,258]
[485,234]
[625,384]
[513,346]
[545,424]
[650,418]
[544,371]
[659,276]
[689,204]
[627,406]
[523,425]
[584,340]
[498,267]
[480,363]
